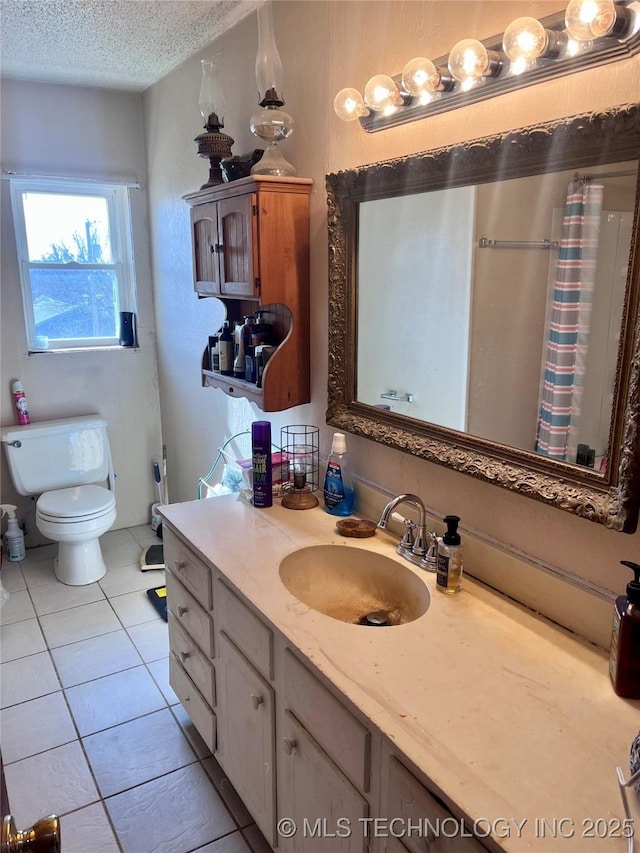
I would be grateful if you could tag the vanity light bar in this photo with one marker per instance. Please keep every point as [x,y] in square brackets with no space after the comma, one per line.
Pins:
[492,72]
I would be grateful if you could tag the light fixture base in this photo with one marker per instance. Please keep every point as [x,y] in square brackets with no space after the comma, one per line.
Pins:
[299,500]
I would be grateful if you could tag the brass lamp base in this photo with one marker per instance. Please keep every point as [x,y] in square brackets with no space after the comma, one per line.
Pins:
[42,837]
[215,146]
[299,500]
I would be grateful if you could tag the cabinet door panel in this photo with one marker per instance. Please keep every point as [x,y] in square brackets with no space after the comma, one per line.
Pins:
[328,811]
[344,738]
[246,734]
[410,803]
[205,240]
[246,630]
[236,257]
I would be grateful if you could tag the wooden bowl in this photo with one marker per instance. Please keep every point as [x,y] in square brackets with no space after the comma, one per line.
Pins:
[359,528]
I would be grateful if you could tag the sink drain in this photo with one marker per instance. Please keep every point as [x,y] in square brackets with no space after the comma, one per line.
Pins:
[377,619]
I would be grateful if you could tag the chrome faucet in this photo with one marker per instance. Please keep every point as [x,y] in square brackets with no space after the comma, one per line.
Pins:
[413,544]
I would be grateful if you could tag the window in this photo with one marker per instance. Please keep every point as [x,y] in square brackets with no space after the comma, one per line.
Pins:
[76,261]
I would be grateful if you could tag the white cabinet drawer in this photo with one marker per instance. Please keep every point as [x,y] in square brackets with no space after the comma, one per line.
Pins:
[196,621]
[191,571]
[411,804]
[194,663]
[198,710]
[337,731]
[247,630]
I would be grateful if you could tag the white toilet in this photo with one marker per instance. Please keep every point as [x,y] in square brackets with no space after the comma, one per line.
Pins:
[66,462]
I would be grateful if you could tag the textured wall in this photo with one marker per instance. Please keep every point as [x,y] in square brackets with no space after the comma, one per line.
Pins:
[326,46]
[69,131]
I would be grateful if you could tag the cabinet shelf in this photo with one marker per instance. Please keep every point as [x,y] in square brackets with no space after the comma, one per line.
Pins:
[250,241]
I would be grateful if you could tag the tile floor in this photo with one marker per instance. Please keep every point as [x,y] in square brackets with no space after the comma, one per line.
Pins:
[90,728]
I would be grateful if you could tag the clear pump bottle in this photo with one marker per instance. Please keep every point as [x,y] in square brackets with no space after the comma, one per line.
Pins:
[449,566]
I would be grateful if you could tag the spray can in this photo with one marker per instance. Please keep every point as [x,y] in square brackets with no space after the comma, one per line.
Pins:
[14,536]
[20,400]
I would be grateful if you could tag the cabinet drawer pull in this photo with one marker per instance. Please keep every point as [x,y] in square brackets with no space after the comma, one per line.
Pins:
[179,565]
[184,656]
[181,610]
[256,700]
[219,248]
[212,248]
[290,745]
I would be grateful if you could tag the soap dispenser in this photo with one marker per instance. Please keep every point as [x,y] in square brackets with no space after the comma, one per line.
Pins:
[449,564]
[624,654]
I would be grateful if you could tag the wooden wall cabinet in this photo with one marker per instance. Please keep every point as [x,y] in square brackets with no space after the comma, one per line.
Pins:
[289,742]
[250,247]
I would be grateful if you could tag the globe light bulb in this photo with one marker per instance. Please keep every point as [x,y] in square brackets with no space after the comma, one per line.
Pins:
[381,93]
[589,19]
[349,105]
[525,39]
[421,78]
[470,60]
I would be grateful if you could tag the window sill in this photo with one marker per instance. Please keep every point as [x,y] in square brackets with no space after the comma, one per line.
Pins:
[81,349]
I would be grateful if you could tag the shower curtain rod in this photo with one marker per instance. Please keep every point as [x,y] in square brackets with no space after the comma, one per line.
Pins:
[623,174]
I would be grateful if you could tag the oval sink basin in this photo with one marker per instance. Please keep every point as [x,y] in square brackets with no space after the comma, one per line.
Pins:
[355,585]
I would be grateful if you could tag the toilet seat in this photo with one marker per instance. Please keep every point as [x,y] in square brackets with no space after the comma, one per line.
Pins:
[76,504]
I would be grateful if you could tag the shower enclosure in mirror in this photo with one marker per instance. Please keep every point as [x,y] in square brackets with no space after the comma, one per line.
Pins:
[489,293]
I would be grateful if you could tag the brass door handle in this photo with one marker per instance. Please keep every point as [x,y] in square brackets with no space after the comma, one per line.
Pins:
[42,837]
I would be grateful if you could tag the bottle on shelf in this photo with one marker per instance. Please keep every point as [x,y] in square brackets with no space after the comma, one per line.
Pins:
[214,353]
[260,331]
[225,347]
[238,349]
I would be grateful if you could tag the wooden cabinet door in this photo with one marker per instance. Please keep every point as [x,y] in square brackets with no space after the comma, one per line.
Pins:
[246,734]
[328,812]
[206,248]
[236,253]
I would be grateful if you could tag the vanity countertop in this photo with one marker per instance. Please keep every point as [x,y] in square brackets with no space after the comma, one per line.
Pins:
[512,717]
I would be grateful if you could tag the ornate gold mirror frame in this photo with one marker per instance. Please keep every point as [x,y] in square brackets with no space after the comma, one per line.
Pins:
[611,498]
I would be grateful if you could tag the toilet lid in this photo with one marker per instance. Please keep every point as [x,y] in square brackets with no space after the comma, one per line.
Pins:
[85,501]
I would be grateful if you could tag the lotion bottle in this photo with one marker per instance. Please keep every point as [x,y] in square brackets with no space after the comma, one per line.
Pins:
[624,653]
[339,494]
[449,565]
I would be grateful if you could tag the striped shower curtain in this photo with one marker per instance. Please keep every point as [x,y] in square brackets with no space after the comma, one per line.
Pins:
[568,332]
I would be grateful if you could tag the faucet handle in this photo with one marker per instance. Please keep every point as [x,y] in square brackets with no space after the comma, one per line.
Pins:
[406,544]
[430,560]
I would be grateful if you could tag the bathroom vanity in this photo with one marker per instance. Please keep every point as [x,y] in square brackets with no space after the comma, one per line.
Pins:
[477,718]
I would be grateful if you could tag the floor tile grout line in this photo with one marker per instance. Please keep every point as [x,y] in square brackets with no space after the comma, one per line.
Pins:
[197,759]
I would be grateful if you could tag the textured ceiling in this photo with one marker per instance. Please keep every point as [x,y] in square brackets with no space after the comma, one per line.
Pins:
[119,44]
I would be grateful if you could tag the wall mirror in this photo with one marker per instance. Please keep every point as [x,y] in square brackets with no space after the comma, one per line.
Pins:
[483,310]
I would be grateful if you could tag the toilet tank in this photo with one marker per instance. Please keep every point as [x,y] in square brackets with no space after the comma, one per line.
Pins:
[56,454]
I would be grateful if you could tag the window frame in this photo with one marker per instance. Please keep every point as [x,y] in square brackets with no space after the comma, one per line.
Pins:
[117,198]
